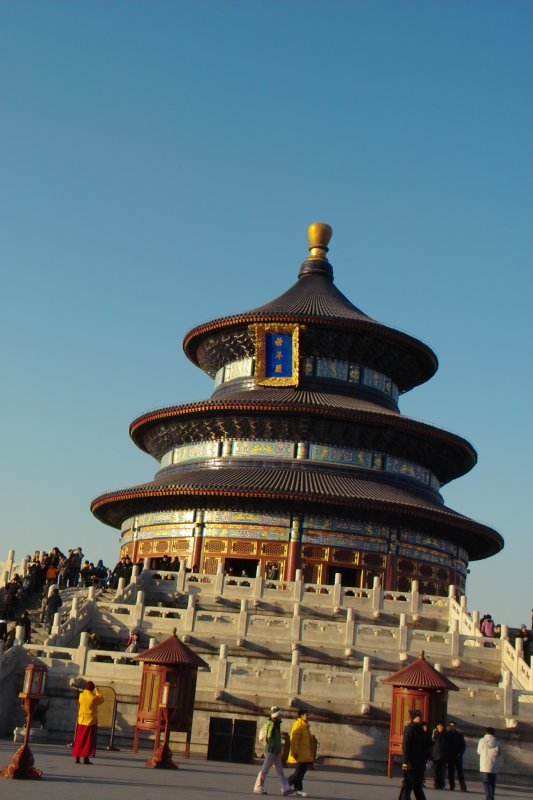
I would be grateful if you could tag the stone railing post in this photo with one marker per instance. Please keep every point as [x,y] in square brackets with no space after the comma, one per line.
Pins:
[337,592]
[455,638]
[366,686]
[120,588]
[134,574]
[505,632]
[451,591]
[518,654]
[415,599]
[475,624]
[83,652]
[403,634]
[294,678]
[5,579]
[507,686]
[296,624]
[138,610]
[8,566]
[181,581]
[24,567]
[298,586]
[188,625]
[221,672]
[377,598]
[74,609]
[219,580]
[258,586]
[243,622]
[56,626]
[349,631]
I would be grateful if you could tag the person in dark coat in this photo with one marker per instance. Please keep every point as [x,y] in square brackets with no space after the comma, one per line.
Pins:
[25,622]
[414,752]
[524,634]
[53,604]
[455,748]
[438,755]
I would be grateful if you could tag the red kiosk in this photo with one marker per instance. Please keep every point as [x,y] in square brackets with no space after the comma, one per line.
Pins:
[417,685]
[166,701]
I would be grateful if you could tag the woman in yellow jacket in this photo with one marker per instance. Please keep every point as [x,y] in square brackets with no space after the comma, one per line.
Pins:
[85,740]
[301,752]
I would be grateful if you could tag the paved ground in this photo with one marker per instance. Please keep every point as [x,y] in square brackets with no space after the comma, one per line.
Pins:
[123,776]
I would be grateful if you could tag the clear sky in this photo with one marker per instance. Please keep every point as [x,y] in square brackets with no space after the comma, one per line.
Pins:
[160,163]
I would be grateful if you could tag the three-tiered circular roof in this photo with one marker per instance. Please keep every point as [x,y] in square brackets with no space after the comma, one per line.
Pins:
[325,414]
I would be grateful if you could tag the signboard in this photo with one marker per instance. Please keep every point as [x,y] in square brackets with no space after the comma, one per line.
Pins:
[277,351]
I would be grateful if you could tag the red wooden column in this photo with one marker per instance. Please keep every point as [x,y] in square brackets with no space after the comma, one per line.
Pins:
[294,556]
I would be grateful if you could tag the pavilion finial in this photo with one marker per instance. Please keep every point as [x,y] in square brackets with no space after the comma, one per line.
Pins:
[319,234]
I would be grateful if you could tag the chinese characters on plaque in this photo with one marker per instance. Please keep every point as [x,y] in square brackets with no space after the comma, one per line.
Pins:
[277,355]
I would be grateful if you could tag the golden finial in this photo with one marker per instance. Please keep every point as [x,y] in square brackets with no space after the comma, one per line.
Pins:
[319,234]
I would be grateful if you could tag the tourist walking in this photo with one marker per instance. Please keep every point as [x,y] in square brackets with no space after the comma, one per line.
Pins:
[455,749]
[302,752]
[273,748]
[85,740]
[487,626]
[438,755]
[414,751]
[488,750]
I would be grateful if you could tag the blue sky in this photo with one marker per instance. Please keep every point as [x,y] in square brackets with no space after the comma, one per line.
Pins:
[160,163]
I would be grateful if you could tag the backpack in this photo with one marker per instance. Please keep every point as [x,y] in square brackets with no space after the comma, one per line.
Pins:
[263,733]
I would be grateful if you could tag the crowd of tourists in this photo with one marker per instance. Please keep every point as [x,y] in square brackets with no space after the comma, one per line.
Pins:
[47,575]
[443,749]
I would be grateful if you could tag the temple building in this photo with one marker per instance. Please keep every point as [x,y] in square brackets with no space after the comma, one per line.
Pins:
[301,458]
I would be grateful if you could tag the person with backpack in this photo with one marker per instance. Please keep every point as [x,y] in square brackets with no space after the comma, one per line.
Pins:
[270,734]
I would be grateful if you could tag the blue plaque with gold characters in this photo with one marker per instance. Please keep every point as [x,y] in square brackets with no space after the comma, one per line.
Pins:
[277,354]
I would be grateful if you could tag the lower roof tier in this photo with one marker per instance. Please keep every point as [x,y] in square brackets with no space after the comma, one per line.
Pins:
[295,415]
[275,487]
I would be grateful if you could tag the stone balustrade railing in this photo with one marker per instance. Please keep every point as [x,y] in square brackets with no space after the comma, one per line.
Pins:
[512,658]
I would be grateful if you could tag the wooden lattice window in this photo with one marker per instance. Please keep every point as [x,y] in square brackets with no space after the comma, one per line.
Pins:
[425,570]
[244,547]
[404,584]
[161,547]
[345,556]
[215,546]
[145,548]
[274,549]
[210,566]
[406,566]
[179,545]
[311,573]
[373,560]
[317,553]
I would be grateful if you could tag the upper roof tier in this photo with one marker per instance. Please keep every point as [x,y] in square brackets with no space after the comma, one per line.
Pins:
[315,301]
